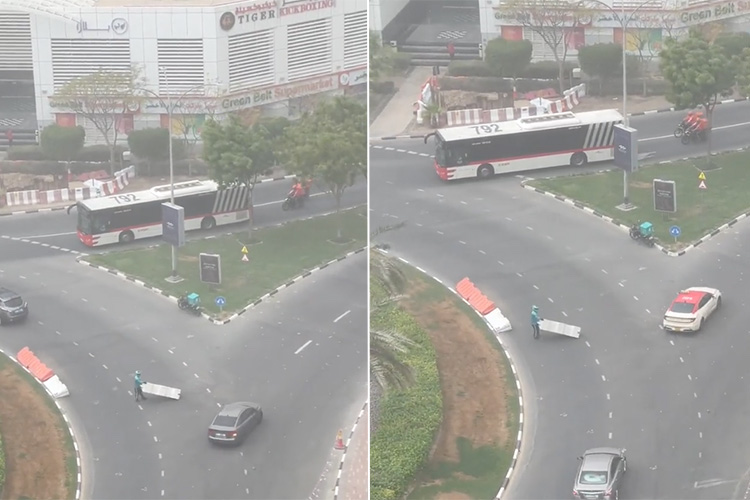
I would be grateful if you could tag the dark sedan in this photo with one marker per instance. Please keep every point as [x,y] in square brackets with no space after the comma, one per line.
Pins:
[234,422]
[12,307]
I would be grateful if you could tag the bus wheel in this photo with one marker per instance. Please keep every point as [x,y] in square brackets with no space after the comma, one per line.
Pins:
[208,223]
[485,171]
[578,160]
[126,237]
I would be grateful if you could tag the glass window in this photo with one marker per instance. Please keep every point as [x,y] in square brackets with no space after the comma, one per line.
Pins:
[85,221]
[14,302]
[225,421]
[682,307]
[593,477]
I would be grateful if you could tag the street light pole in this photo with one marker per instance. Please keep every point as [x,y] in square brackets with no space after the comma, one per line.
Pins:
[174,277]
[624,21]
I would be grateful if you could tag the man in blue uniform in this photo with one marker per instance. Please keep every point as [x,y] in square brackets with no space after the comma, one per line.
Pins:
[535,319]
[138,384]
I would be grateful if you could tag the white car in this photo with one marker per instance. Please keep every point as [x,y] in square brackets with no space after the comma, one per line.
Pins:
[691,309]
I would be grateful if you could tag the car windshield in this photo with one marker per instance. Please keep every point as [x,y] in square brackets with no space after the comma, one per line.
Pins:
[593,477]
[14,302]
[225,421]
[682,307]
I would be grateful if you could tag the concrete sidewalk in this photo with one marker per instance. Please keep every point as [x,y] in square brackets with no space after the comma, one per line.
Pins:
[355,473]
[398,114]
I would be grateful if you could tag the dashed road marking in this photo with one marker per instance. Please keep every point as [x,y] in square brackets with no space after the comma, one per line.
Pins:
[587,343]
[604,379]
[690,377]
[681,360]
[564,314]
[605,271]
[636,298]
[519,275]
[303,346]
[529,228]
[608,397]
[483,252]
[596,361]
[91,355]
[342,316]
[610,435]
[149,423]
[462,242]
[610,414]
[184,364]
[550,300]
[500,262]
[105,367]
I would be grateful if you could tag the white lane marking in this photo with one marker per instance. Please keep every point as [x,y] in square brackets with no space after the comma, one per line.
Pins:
[464,203]
[699,415]
[184,364]
[440,233]
[671,342]
[105,367]
[519,275]
[462,242]
[529,228]
[509,219]
[681,360]
[160,456]
[149,423]
[303,346]
[690,377]
[195,375]
[162,473]
[587,344]
[500,262]
[91,355]
[156,440]
[604,379]
[47,235]
[282,201]
[610,414]
[483,252]
[608,397]
[610,435]
[564,314]
[709,483]
[83,299]
[636,298]
[154,339]
[695,395]
[535,287]
[596,361]
[550,300]
[605,271]
[700,435]
[340,317]
[648,311]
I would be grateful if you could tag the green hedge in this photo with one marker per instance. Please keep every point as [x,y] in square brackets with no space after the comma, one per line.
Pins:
[409,419]
[99,153]
[542,70]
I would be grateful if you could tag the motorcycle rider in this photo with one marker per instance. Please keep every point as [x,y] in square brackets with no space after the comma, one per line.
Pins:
[308,185]
[699,126]
[298,193]
[688,120]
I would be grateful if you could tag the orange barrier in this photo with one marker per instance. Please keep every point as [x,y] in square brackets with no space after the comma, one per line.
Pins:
[29,360]
[474,297]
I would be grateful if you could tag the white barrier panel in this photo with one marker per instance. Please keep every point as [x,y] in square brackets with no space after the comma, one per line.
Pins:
[161,390]
[55,387]
[547,325]
[497,321]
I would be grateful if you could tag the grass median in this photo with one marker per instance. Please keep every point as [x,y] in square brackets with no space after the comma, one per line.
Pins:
[452,433]
[281,253]
[699,211]
[39,456]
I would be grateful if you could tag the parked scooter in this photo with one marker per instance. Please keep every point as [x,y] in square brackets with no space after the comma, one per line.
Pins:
[190,302]
[643,233]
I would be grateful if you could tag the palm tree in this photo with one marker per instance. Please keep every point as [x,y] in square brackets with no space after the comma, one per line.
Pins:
[387,370]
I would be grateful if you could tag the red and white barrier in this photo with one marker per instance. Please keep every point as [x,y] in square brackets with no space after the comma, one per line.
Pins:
[477,116]
[122,179]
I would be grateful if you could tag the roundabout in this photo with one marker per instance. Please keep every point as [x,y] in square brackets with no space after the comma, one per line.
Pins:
[307,371]
[670,399]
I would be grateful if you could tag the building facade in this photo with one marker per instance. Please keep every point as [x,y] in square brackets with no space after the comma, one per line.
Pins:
[647,27]
[209,58]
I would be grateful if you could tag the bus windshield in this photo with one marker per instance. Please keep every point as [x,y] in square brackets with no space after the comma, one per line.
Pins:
[91,223]
[442,154]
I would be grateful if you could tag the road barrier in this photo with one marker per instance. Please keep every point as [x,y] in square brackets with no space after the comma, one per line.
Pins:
[42,373]
[483,305]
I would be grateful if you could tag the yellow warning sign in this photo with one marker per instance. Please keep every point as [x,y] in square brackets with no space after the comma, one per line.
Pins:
[702,176]
[244,249]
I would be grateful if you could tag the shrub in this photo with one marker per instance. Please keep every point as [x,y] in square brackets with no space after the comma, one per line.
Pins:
[386,87]
[31,152]
[100,153]
[469,68]
[62,143]
[400,62]
[546,70]
[409,418]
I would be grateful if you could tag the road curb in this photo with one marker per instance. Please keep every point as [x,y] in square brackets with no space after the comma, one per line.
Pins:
[666,110]
[346,449]
[516,376]
[40,210]
[577,204]
[79,475]
[395,137]
[211,319]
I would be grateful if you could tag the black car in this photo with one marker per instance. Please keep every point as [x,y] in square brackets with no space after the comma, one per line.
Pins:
[234,422]
[12,307]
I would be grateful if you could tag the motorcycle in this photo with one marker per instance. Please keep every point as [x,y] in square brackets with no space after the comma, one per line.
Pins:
[680,129]
[291,202]
[643,233]
[190,302]
[693,136]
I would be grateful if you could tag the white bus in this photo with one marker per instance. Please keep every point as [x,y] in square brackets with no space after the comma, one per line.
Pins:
[530,143]
[122,218]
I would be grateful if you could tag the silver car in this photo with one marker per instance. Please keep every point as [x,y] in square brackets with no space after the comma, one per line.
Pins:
[234,422]
[600,474]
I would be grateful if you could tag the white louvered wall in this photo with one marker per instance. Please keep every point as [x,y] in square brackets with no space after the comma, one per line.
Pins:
[15,42]
[181,66]
[356,39]
[309,49]
[73,59]
[251,60]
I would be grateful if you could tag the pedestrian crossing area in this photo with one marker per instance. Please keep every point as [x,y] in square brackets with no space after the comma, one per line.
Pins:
[10,122]
[451,35]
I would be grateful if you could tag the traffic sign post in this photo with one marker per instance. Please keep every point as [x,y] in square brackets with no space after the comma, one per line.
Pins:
[244,254]
[702,185]
[220,301]
[675,231]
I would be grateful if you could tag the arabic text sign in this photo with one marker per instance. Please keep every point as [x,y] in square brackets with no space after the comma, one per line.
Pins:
[281,93]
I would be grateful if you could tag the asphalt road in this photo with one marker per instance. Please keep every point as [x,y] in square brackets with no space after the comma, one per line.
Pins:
[59,228]
[95,331]
[671,400]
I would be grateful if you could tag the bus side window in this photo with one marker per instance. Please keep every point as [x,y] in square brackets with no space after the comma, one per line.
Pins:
[101,223]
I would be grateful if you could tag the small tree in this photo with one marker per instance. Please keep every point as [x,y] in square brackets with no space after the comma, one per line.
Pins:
[237,154]
[700,74]
[103,98]
[331,145]
[601,60]
[552,21]
[191,117]
[508,57]
[150,144]
[742,66]
[62,143]
[733,43]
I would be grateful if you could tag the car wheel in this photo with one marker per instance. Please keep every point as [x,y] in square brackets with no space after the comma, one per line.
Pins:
[485,171]
[578,159]
[208,223]
[126,237]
